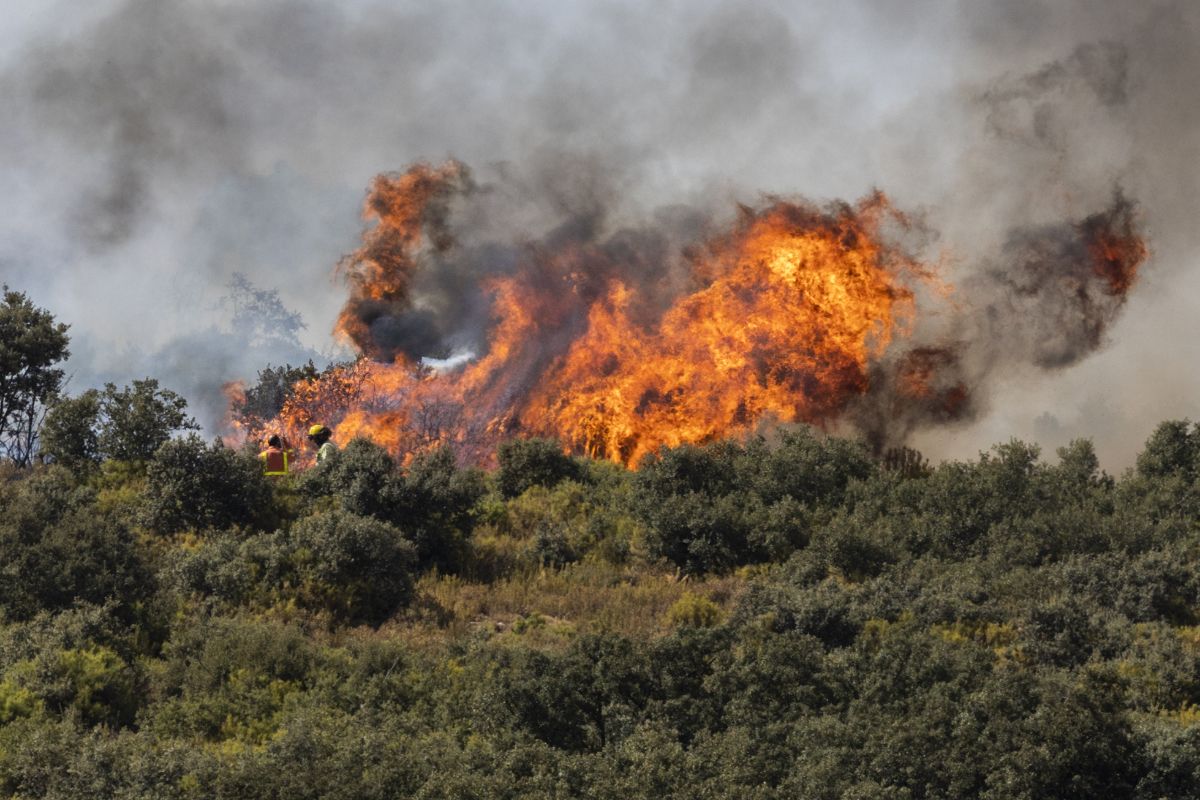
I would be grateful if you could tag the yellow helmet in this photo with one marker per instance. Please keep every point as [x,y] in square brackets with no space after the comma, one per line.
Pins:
[317,430]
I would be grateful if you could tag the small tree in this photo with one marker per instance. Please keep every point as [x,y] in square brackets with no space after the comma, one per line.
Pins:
[357,567]
[265,399]
[57,549]
[69,434]
[127,424]
[139,419]
[259,316]
[435,507]
[1173,449]
[31,343]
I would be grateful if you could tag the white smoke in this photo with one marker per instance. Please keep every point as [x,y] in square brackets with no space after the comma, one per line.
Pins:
[152,150]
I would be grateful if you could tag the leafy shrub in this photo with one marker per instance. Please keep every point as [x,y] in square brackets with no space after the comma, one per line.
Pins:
[358,567]
[699,533]
[432,500]
[826,611]
[579,700]
[127,424]
[814,471]
[136,420]
[193,486]
[56,550]
[551,546]
[92,683]
[1173,756]
[80,663]
[363,478]
[765,680]
[30,344]
[69,435]
[230,567]
[436,508]
[713,507]
[532,462]
[1173,449]
[693,611]
[555,525]
[16,701]
[229,679]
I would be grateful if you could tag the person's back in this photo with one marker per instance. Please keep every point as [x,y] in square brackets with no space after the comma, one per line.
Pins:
[326,451]
[275,458]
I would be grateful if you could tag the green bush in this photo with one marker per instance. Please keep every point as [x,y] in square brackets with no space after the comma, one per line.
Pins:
[56,550]
[713,507]
[80,664]
[437,508]
[358,567]
[363,478]
[94,684]
[1173,449]
[69,435]
[532,462]
[191,486]
[432,500]
[127,424]
[693,611]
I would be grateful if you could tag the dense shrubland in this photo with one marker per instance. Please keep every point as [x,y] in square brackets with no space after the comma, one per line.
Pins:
[769,618]
[784,618]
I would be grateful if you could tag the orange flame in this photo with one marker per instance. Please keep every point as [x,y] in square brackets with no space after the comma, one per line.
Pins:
[789,318]
[800,303]
[408,207]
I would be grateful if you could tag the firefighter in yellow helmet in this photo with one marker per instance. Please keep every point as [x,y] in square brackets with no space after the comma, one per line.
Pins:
[276,458]
[319,435]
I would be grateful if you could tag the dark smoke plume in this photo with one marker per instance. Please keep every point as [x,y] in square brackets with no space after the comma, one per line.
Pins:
[1047,300]
[1058,288]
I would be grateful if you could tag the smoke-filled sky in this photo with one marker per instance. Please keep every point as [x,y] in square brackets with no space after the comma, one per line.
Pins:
[151,150]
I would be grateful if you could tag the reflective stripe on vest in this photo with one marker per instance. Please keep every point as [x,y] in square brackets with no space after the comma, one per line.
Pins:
[276,461]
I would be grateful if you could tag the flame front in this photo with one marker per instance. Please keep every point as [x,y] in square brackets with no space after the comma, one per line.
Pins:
[799,304]
[793,314]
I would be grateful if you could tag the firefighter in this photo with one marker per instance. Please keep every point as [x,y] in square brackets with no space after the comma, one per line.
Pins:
[276,457]
[319,435]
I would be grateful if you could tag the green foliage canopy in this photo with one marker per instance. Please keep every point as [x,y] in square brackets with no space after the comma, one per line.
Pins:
[31,343]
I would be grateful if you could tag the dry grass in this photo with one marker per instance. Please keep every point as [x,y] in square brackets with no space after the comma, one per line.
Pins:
[544,606]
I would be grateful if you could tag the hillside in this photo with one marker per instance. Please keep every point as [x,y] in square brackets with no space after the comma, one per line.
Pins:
[741,619]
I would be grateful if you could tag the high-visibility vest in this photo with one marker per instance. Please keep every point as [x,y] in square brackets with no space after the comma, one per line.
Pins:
[276,461]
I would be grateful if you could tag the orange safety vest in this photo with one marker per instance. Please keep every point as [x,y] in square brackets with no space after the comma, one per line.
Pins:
[276,461]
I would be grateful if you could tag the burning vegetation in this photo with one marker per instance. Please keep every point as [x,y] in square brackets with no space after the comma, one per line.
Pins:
[618,346]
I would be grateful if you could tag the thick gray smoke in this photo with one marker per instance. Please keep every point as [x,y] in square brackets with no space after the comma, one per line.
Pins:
[154,150]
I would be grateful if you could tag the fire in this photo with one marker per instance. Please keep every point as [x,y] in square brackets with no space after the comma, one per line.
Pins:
[800,303]
[1115,248]
[408,208]
[792,314]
